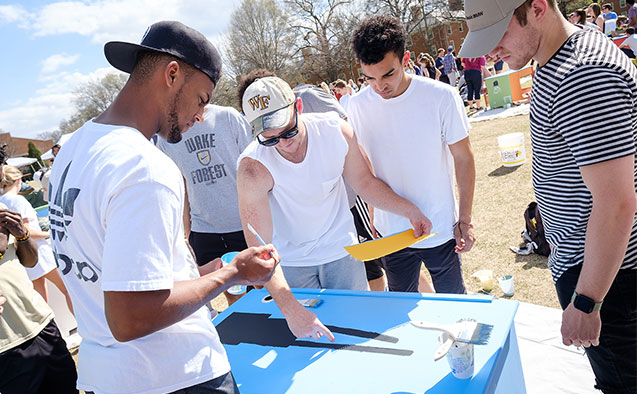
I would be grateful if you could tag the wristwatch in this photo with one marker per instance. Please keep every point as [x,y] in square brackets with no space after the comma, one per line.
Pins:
[585,304]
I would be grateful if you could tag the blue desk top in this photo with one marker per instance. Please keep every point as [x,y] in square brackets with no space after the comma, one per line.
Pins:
[399,361]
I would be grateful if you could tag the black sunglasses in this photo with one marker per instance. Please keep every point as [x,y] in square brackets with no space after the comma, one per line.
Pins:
[285,135]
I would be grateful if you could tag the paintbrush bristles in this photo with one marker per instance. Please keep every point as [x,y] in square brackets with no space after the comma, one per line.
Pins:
[474,332]
[465,330]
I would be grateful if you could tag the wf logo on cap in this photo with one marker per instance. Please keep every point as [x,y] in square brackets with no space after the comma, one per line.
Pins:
[259,102]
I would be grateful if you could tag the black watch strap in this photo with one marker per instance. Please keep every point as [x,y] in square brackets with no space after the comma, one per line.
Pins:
[585,304]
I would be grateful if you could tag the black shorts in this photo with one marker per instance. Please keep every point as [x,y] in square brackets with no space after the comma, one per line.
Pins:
[224,384]
[209,246]
[373,268]
[40,365]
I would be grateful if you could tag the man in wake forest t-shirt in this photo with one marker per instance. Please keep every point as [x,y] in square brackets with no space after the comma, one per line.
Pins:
[207,157]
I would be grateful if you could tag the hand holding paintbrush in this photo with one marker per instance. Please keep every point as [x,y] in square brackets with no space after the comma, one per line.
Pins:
[254,266]
[254,232]
[250,263]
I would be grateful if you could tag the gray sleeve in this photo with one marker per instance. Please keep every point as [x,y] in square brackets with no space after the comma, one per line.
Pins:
[244,131]
[316,100]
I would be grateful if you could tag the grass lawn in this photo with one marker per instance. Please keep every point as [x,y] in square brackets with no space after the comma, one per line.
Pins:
[501,197]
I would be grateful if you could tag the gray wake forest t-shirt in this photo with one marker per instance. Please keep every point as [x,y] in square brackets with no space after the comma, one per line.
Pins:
[207,158]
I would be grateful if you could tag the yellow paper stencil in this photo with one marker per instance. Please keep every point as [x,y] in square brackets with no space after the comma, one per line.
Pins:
[383,246]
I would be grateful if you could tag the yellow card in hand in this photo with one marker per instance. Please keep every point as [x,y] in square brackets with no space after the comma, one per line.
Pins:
[383,246]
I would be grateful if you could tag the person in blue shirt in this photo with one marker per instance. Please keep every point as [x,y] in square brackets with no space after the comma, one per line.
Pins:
[607,11]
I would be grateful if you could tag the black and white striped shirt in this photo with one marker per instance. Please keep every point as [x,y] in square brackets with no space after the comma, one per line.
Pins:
[583,112]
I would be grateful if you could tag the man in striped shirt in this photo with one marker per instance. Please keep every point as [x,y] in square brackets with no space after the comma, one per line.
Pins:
[449,61]
[584,133]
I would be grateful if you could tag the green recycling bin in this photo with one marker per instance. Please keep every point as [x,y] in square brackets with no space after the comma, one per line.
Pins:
[507,87]
[499,90]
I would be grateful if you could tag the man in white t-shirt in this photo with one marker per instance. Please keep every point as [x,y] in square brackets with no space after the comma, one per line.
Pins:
[414,131]
[116,224]
[291,189]
[631,41]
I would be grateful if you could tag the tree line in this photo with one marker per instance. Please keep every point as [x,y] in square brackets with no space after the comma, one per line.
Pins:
[299,40]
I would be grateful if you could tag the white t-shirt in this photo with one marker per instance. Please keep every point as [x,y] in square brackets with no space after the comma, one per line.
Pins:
[311,222]
[632,43]
[46,262]
[116,225]
[406,139]
[344,101]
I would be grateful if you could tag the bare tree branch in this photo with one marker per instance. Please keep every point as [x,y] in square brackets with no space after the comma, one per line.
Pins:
[259,37]
[91,99]
[326,27]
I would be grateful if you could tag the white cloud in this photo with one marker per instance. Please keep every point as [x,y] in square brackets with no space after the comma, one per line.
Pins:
[12,13]
[37,115]
[49,105]
[127,20]
[65,81]
[99,21]
[54,62]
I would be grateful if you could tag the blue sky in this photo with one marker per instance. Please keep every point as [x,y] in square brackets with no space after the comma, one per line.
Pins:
[49,47]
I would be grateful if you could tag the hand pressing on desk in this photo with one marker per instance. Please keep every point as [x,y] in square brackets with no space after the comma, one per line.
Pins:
[301,322]
[304,324]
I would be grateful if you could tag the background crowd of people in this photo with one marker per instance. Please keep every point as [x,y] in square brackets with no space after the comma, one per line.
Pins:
[292,165]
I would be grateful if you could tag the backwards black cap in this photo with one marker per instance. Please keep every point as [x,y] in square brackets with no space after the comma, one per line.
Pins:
[172,38]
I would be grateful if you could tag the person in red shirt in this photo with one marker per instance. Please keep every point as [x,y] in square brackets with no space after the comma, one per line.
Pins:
[473,69]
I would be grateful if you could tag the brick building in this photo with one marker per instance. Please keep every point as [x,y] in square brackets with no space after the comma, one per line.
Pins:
[441,31]
[20,146]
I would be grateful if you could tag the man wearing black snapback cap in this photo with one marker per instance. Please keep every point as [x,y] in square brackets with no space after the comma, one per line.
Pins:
[116,221]
[584,171]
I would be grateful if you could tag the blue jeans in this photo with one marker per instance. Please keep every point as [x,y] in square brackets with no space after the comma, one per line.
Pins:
[444,265]
[473,78]
[614,361]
